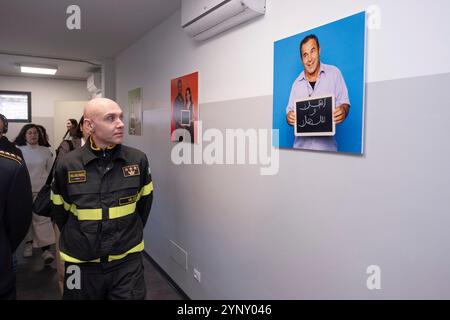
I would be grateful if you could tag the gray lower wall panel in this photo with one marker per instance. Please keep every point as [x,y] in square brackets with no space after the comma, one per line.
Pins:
[311,231]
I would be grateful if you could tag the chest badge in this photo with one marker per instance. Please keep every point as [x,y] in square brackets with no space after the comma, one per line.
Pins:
[131,171]
[77,176]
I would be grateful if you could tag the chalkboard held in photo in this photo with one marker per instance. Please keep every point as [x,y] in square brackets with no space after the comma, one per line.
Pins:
[185,117]
[315,117]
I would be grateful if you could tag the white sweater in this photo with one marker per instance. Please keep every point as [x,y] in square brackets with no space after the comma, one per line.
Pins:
[39,161]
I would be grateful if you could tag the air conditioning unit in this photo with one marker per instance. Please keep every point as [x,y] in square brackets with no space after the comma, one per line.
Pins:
[202,19]
[94,82]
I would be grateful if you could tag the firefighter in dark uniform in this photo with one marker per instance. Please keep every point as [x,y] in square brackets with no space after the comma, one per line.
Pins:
[15,216]
[102,195]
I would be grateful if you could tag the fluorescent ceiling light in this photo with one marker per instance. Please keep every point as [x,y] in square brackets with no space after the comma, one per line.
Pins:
[38,70]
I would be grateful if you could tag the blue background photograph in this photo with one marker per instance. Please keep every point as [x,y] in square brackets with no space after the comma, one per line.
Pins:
[342,44]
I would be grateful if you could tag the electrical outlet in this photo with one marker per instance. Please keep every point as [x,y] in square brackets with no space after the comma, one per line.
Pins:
[197,275]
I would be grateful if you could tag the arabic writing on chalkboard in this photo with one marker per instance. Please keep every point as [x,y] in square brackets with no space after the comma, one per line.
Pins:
[315,117]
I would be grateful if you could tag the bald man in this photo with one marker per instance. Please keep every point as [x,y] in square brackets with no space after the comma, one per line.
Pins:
[102,195]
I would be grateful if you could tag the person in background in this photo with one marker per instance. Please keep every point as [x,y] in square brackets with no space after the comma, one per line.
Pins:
[85,131]
[73,143]
[43,136]
[39,161]
[80,136]
[71,125]
[5,144]
[15,217]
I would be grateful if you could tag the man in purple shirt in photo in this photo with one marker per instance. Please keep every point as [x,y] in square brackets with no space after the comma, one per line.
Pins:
[317,79]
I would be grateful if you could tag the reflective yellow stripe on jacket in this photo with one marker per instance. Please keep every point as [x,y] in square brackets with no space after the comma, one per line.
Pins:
[96,214]
[138,248]
[67,258]
[146,190]
[81,214]
[121,211]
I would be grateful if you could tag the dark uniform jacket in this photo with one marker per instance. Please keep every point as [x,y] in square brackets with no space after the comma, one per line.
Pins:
[6,145]
[15,215]
[102,200]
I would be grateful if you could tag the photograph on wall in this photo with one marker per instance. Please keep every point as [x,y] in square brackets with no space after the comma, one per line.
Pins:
[184,108]
[318,101]
[135,112]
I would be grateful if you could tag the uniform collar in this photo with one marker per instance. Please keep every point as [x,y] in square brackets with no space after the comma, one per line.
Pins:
[4,140]
[90,151]
[94,147]
[5,144]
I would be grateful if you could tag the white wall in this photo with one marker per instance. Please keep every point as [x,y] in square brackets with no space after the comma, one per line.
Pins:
[411,42]
[237,227]
[44,94]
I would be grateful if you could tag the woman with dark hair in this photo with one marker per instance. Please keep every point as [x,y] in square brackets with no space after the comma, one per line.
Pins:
[190,106]
[43,136]
[39,162]
[71,125]
[74,142]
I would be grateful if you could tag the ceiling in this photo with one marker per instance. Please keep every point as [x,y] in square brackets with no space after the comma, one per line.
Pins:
[38,28]
[67,70]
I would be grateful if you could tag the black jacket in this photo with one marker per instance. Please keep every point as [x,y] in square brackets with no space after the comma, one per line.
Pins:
[6,145]
[102,200]
[15,214]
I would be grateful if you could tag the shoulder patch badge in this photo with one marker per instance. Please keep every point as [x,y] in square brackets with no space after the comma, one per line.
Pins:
[77,176]
[130,171]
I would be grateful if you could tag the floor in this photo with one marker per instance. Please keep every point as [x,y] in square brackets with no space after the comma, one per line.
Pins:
[35,281]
